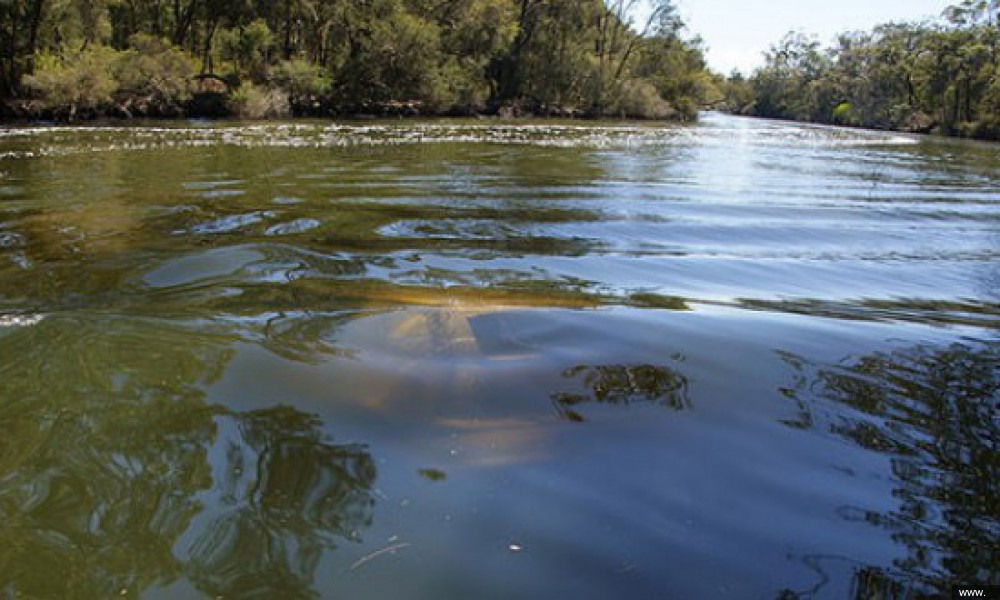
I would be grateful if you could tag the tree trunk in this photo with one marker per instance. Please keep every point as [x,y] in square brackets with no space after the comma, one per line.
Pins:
[509,83]
[182,21]
[157,19]
[206,66]
[35,25]
[288,29]
[10,72]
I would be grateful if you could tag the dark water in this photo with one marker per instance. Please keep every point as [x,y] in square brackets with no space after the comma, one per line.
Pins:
[736,360]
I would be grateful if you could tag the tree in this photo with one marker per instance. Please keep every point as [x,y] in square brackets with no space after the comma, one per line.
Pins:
[915,76]
[557,56]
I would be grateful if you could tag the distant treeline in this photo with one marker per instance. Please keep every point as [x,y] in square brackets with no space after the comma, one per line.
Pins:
[921,77]
[71,59]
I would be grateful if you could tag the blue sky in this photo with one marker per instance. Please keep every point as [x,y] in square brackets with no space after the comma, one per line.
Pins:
[737,32]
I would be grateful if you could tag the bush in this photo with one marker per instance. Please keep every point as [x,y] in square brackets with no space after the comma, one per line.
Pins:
[306,84]
[396,61]
[74,82]
[252,102]
[153,77]
[638,98]
[457,87]
[843,114]
[988,129]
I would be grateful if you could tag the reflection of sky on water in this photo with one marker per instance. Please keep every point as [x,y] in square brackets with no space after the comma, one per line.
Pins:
[733,211]
[643,357]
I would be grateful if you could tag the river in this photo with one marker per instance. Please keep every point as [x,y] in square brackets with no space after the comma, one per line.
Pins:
[477,359]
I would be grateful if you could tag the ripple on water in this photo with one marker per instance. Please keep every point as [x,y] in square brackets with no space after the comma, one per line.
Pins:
[61,141]
[210,194]
[20,319]
[10,239]
[731,344]
[292,227]
[213,185]
[231,223]
[204,266]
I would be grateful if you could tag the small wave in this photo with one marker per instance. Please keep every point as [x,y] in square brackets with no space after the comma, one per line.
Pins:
[230,223]
[292,227]
[62,141]
[20,319]
[10,239]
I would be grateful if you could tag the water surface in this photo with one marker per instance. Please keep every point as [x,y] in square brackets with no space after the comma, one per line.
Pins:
[446,360]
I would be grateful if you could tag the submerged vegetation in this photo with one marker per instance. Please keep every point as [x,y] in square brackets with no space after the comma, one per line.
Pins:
[70,59]
[939,77]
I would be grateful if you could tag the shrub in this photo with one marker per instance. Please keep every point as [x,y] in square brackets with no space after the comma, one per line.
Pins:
[253,102]
[306,84]
[457,86]
[640,99]
[843,114]
[74,82]
[153,77]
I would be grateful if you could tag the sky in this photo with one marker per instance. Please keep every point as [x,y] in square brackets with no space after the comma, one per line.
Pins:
[738,32]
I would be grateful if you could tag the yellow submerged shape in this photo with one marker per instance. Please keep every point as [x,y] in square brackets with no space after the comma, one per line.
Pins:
[435,332]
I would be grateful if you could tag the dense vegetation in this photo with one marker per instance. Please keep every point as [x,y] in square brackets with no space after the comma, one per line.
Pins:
[920,77]
[77,58]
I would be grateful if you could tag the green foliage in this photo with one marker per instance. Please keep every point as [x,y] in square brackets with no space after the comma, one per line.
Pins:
[639,98]
[790,85]
[843,114]
[150,78]
[677,70]
[407,50]
[305,83]
[394,56]
[737,94]
[73,82]
[247,46]
[460,86]
[253,102]
[155,73]
[447,56]
[915,77]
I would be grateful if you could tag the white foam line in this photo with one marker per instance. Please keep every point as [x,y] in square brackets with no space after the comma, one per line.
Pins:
[20,320]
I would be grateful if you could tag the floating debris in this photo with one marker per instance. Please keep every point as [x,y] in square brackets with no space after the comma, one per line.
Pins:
[370,557]
[434,475]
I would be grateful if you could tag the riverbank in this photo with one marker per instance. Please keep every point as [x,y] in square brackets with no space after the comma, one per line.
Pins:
[923,77]
[384,59]
[274,105]
[925,126]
